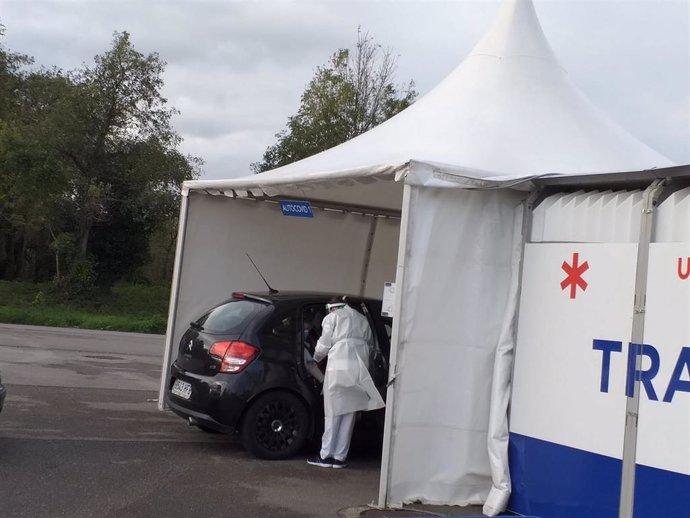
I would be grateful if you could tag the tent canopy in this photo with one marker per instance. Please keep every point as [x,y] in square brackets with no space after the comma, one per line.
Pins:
[509,111]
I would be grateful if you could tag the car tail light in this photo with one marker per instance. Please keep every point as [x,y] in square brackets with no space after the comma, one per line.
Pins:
[234,356]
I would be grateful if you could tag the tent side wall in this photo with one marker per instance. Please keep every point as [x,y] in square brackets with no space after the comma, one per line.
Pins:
[335,251]
[575,372]
[456,295]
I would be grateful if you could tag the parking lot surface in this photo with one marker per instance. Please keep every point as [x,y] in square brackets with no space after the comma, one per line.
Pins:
[81,436]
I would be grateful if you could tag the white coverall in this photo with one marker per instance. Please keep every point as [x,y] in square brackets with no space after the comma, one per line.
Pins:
[348,388]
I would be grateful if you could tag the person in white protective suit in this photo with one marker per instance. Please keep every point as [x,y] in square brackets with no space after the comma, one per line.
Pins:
[347,341]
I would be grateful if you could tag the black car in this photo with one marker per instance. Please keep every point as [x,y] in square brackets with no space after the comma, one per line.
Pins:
[241,369]
[3,392]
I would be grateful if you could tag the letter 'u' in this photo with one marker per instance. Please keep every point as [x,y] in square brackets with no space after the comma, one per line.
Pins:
[683,274]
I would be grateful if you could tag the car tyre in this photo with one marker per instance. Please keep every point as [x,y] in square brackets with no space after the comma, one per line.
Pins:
[275,426]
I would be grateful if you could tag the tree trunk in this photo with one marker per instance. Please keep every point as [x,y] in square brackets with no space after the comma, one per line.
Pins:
[13,253]
[84,238]
[57,253]
[21,263]
[4,247]
[57,266]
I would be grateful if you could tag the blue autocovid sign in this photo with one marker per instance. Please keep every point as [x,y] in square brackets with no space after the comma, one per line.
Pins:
[300,209]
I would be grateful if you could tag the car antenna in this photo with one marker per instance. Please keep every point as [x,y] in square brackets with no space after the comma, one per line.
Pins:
[272,291]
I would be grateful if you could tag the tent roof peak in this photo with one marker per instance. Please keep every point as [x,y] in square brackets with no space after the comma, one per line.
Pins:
[515,32]
[508,110]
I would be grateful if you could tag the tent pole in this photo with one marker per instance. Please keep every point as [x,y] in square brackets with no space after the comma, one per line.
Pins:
[367,255]
[627,496]
[384,484]
[174,297]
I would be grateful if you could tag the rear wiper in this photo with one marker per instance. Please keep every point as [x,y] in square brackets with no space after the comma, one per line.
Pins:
[196,325]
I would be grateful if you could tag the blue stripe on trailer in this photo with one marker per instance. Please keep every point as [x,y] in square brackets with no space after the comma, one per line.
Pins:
[661,494]
[555,481]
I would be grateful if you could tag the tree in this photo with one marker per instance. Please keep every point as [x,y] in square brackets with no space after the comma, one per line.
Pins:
[11,65]
[89,166]
[350,95]
[114,109]
[113,130]
[31,180]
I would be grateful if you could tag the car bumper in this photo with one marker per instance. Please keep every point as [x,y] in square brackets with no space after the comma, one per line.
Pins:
[215,402]
[196,418]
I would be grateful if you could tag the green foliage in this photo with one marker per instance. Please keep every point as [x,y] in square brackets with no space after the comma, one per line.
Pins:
[139,299]
[80,280]
[124,307]
[20,293]
[39,299]
[89,167]
[67,317]
[11,65]
[353,93]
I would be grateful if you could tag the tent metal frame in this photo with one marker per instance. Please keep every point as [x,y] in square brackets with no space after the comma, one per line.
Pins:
[632,404]
[174,297]
[395,342]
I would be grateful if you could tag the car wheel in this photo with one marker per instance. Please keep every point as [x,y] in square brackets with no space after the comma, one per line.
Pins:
[275,426]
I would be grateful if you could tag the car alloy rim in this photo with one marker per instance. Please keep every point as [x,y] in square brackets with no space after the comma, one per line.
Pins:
[277,426]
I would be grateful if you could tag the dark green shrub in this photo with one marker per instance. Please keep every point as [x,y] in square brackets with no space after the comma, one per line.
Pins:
[80,280]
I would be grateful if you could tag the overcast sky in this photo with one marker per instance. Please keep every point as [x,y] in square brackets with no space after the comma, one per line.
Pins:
[236,70]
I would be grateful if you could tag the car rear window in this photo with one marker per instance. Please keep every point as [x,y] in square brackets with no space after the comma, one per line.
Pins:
[230,317]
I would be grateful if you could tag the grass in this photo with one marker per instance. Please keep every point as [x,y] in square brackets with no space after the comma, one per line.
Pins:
[125,307]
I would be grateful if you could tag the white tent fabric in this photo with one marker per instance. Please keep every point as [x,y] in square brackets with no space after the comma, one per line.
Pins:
[507,111]
[456,297]
[506,115]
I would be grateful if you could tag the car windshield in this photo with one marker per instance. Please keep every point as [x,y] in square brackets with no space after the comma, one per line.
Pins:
[230,317]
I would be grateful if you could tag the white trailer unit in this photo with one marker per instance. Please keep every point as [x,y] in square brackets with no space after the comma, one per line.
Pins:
[600,411]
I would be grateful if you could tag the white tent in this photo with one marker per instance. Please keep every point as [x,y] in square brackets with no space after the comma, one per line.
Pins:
[433,200]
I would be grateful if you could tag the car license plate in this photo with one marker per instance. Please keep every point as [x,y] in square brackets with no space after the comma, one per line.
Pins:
[182,389]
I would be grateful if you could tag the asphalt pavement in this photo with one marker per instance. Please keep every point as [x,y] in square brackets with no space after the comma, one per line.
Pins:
[81,436]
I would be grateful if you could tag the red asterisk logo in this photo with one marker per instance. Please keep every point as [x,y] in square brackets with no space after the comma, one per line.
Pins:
[574,275]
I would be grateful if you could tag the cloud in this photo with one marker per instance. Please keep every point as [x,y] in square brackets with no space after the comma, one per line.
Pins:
[236,69]
[230,153]
[632,58]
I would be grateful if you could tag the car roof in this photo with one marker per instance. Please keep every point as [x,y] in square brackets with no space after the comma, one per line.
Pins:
[306,296]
